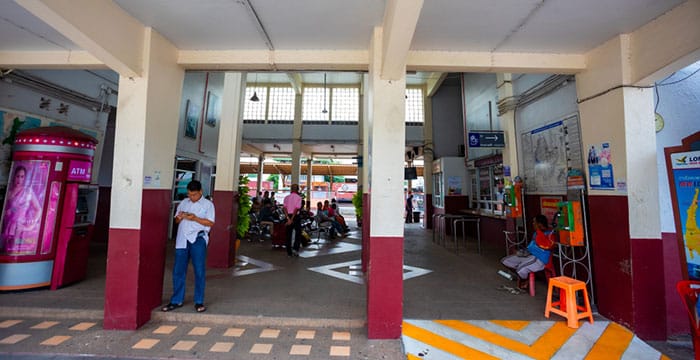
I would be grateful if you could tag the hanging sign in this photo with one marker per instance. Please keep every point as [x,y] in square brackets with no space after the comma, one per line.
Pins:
[486,139]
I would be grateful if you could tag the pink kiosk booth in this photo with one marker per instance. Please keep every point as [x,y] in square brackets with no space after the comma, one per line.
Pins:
[44,238]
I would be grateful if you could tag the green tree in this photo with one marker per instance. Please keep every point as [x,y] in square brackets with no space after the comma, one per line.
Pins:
[275,178]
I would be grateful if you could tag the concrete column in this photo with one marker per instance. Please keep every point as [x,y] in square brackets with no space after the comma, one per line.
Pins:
[221,253]
[261,166]
[296,139]
[428,163]
[144,149]
[387,143]
[363,171]
[309,176]
[510,153]
[624,221]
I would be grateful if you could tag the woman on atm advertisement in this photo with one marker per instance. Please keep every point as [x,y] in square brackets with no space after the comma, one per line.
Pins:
[22,215]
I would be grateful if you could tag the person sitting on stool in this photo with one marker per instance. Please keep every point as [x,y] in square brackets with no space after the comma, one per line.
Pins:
[538,252]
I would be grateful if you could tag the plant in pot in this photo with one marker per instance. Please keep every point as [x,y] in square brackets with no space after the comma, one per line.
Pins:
[357,202]
[244,206]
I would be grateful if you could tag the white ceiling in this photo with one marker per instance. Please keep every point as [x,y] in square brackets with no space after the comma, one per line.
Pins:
[532,26]
[549,26]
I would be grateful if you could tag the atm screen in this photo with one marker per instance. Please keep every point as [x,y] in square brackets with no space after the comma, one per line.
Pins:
[82,205]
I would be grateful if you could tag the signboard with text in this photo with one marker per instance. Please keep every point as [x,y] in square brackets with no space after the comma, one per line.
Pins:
[486,139]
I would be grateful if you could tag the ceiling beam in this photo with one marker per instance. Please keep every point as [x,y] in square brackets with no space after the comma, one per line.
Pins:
[474,61]
[75,59]
[399,24]
[283,60]
[101,28]
[433,83]
[245,147]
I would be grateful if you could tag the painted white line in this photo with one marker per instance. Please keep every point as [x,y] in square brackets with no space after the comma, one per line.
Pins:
[528,335]
[468,340]
[639,350]
[425,351]
[329,249]
[261,266]
[343,271]
[582,341]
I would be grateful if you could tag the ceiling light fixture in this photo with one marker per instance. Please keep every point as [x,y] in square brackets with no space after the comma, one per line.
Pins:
[325,111]
[255,97]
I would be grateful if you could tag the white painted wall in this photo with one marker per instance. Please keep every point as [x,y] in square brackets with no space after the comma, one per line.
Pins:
[479,89]
[679,104]
[448,123]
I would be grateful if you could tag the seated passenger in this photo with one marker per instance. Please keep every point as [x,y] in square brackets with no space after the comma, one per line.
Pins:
[267,213]
[322,216]
[538,252]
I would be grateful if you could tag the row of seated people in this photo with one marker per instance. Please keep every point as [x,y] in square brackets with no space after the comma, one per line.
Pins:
[262,215]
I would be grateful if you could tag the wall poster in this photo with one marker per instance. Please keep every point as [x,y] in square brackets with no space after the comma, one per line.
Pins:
[600,167]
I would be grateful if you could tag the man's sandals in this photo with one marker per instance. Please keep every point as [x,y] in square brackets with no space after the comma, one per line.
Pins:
[197,307]
[170,307]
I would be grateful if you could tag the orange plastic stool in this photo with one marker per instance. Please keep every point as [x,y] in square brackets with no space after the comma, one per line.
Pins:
[567,306]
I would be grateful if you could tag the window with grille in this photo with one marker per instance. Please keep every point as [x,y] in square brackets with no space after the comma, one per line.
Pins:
[414,105]
[346,104]
[255,110]
[281,104]
[313,104]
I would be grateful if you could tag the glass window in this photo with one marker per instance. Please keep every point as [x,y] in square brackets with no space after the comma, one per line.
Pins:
[313,104]
[346,104]
[281,103]
[414,105]
[255,110]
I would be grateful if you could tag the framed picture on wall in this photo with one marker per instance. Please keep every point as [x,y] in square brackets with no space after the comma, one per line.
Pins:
[213,109]
[192,113]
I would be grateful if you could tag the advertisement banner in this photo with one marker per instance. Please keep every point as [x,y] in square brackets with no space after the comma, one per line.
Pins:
[686,178]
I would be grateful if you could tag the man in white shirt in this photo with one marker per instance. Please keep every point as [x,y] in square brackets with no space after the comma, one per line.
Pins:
[195,216]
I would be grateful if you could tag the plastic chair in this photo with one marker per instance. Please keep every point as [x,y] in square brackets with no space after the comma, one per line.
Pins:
[567,306]
[549,273]
[689,290]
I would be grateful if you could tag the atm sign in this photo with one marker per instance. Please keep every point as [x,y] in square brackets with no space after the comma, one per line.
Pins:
[79,171]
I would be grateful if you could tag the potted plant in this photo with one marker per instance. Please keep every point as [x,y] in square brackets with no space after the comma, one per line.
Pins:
[357,202]
[244,206]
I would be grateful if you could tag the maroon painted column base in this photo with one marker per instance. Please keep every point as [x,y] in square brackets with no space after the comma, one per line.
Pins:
[648,285]
[222,237]
[136,265]
[385,288]
[365,230]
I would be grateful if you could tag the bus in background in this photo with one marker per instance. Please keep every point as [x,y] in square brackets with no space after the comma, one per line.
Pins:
[345,192]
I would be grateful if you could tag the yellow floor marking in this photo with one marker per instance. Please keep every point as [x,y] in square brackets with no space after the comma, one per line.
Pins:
[261,349]
[145,344]
[8,323]
[270,334]
[611,344]
[222,347]
[44,325]
[412,357]
[184,345]
[341,335]
[300,350]
[543,348]
[199,330]
[165,329]
[664,357]
[235,332]
[306,334]
[512,324]
[55,340]
[83,326]
[340,351]
[443,343]
[13,339]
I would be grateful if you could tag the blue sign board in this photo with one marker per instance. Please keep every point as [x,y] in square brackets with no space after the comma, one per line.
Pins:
[486,139]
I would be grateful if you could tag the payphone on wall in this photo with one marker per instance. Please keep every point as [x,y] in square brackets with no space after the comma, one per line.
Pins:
[47,217]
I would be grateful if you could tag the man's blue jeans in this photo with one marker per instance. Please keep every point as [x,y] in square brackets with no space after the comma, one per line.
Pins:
[196,251]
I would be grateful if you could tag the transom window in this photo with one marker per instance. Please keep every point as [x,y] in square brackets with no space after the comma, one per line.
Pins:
[281,103]
[255,110]
[414,105]
[313,104]
[346,104]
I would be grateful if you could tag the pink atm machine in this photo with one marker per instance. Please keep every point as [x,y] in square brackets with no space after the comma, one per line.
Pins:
[45,237]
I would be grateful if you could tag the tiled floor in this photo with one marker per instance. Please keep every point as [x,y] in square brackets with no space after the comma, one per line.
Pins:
[177,340]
